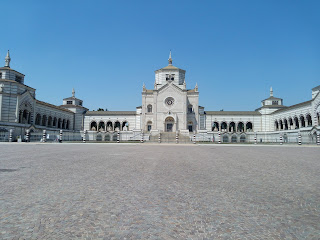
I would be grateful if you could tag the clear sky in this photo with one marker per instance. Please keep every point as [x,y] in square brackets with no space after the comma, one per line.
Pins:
[106,50]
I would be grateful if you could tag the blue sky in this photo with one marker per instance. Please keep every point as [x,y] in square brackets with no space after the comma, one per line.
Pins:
[106,50]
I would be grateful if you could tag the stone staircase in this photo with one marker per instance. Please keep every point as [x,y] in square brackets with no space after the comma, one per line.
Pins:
[170,137]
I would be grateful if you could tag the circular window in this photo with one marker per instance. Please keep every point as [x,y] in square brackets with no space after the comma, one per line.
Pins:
[169,101]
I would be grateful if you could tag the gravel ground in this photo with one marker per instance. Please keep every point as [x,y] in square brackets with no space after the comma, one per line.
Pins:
[150,191]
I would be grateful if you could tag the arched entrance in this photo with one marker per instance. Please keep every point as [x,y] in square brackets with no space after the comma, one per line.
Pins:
[168,124]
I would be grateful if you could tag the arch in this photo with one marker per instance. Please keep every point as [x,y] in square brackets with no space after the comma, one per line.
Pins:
[38,119]
[109,126]
[93,126]
[107,138]
[25,112]
[225,138]
[49,121]
[114,137]
[101,126]
[149,108]
[276,125]
[290,121]
[240,127]
[125,126]
[249,127]
[243,138]
[285,121]
[54,124]
[59,123]
[169,122]
[302,120]
[44,120]
[234,138]
[63,124]
[318,117]
[224,126]
[232,127]
[117,126]
[281,124]
[68,124]
[215,126]
[309,120]
[190,126]
[296,122]
[99,137]
[149,126]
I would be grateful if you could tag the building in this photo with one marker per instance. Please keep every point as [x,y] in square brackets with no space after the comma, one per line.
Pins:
[169,109]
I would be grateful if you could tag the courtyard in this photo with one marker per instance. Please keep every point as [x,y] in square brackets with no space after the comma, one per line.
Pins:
[159,191]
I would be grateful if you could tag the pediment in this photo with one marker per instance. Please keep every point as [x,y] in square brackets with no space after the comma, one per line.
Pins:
[26,97]
[170,86]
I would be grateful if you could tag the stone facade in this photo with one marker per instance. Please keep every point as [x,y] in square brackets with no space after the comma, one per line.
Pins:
[168,107]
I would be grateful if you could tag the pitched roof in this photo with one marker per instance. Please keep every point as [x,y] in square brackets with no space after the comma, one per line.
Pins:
[232,113]
[294,106]
[53,106]
[111,113]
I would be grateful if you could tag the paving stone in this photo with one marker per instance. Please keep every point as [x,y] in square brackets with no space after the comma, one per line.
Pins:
[149,191]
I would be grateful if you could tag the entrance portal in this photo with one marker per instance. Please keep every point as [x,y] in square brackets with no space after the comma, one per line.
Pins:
[169,122]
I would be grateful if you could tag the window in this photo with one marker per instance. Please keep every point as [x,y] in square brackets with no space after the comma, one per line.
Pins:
[149,108]
[80,103]
[190,109]
[170,77]
[0,75]
[69,102]
[274,102]
[18,79]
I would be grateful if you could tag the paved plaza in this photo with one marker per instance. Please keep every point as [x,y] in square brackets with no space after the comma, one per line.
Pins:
[150,191]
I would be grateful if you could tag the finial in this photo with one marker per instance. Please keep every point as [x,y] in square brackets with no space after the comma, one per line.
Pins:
[196,87]
[271,92]
[143,87]
[7,60]
[170,59]
[73,92]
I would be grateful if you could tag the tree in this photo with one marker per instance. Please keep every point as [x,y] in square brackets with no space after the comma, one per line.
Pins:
[100,109]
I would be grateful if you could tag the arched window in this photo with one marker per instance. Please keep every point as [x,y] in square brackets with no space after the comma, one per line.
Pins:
[290,123]
[54,124]
[318,117]
[99,137]
[232,127]
[243,138]
[59,123]
[63,123]
[285,124]
[109,126]
[240,127]
[234,138]
[303,123]
[149,126]
[225,138]
[93,126]
[280,124]
[223,126]
[296,122]
[149,108]
[44,120]
[49,121]
[276,125]
[190,108]
[309,120]
[101,126]
[68,124]
[125,126]
[215,126]
[249,127]
[117,126]
[190,126]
